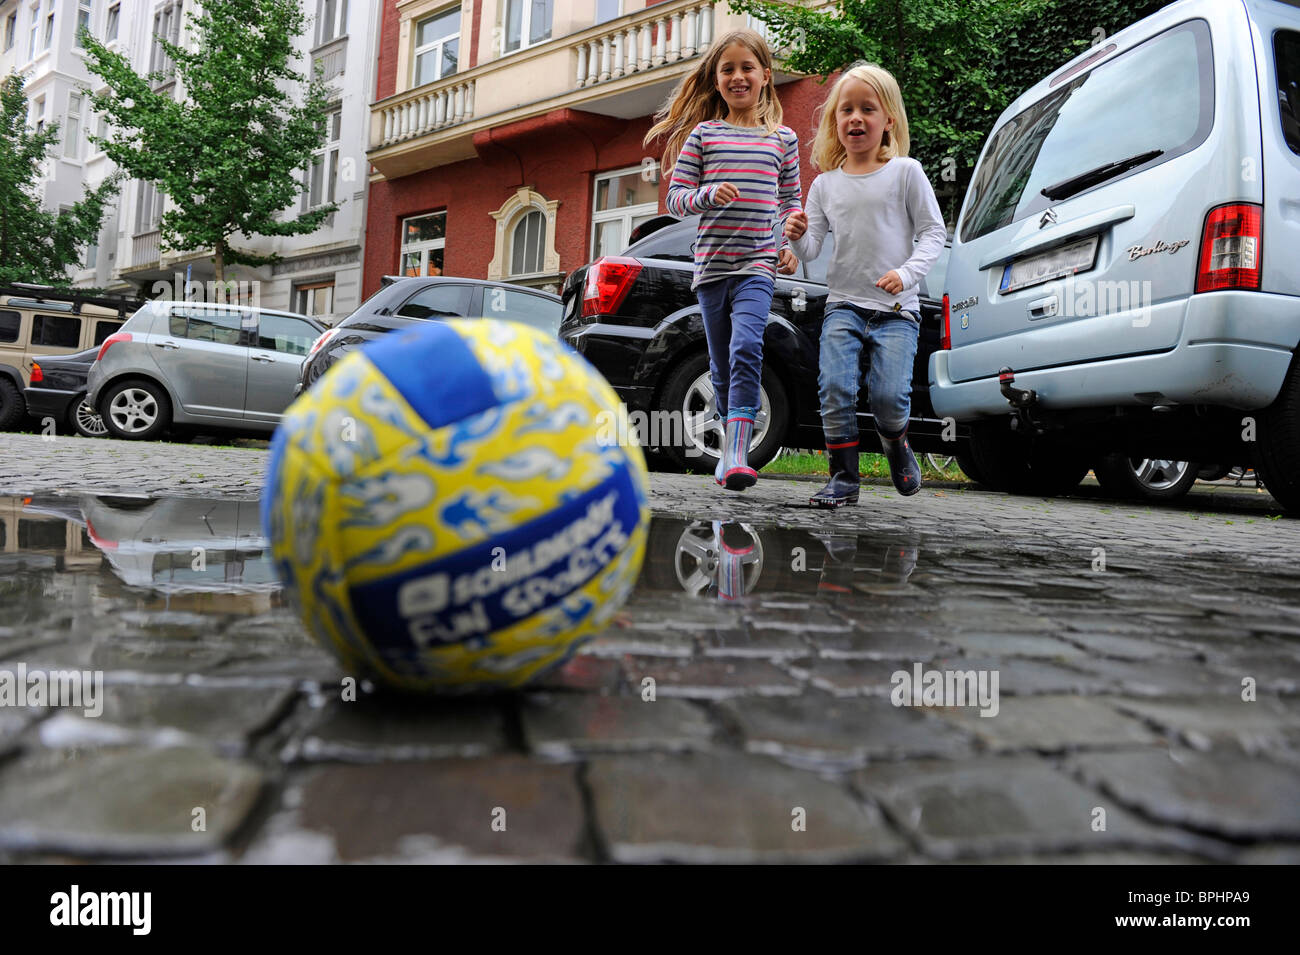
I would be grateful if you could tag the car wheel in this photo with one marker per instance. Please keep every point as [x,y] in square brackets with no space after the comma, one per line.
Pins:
[84,420]
[968,467]
[1151,479]
[688,397]
[137,410]
[1278,446]
[12,406]
[1006,461]
[1214,472]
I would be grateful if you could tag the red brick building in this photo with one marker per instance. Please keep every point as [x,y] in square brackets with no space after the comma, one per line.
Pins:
[506,136]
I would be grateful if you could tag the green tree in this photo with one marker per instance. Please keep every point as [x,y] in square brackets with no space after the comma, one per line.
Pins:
[230,154]
[958,62]
[36,245]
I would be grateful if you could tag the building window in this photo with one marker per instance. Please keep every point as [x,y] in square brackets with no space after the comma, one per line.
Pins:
[323,174]
[607,10]
[166,25]
[527,244]
[49,28]
[423,241]
[35,31]
[92,254]
[84,11]
[331,20]
[623,200]
[72,130]
[314,298]
[110,26]
[148,210]
[437,46]
[527,22]
[11,29]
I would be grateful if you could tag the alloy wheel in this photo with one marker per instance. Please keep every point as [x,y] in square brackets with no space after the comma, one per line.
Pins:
[704,429]
[133,410]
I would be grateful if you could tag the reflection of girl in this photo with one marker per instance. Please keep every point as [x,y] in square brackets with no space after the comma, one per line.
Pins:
[738,167]
[888,235]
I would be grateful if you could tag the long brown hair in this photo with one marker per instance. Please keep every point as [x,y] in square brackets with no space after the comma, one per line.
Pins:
[697,99]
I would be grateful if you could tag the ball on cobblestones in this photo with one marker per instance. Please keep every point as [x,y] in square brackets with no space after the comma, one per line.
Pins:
[447,511]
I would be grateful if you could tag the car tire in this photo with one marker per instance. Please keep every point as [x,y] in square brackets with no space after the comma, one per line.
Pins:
[1006,461]
[85,420]
[12,407]
[966,462]
[685,398]
[1278,447]
[142,410]
[1145,479]
[1214,472]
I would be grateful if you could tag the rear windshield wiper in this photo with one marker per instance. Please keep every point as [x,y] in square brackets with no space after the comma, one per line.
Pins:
[1075,184]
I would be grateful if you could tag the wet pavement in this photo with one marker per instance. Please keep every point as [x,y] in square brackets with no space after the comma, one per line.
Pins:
[1140,673]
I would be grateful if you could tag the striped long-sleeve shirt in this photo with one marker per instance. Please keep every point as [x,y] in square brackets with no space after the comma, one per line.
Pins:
[740,237]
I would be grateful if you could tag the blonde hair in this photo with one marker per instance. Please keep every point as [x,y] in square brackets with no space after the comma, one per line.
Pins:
[828,152]
[697,99]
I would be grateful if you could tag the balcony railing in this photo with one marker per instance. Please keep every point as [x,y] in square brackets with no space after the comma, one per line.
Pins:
[426,109]
[330,59]
[144,248]
[644,41]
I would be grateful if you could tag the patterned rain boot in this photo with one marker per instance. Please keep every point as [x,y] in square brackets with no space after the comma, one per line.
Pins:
[736,472]
[902,464]
[735,546]
[842,456]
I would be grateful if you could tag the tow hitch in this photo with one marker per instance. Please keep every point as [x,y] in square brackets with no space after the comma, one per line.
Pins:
[1023,402]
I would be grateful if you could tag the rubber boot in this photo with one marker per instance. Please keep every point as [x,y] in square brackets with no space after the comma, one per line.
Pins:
[844,484]
[902,464]
[735,545]
[837,565]
[736,472]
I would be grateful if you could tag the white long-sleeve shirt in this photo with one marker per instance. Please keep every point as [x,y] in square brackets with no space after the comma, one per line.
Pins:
[883,220]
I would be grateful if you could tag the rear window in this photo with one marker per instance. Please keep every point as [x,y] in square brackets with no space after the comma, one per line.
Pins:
[1286,49]
[56,331]
[104,329]
[438,301]
[508,303]
[674,242]
[10,324]
[281,333]
[1157,96]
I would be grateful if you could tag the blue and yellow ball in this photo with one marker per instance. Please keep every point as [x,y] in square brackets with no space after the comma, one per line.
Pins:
[446,510]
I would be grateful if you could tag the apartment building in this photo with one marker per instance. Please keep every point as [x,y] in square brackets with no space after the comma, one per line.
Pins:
[320,273]
[506,136]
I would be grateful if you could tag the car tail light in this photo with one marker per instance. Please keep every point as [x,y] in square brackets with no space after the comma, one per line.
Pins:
[325,336]
[111,340]
[946,341]
[37,374]
[608,280]
[1231,248]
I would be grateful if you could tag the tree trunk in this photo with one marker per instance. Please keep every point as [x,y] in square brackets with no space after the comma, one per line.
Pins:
[219,251]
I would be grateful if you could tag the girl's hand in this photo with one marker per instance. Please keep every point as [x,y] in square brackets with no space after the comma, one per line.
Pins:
[796,225]
[786,262]
[891,282]
[727,192]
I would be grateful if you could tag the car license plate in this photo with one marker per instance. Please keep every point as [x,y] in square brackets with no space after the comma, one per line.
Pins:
[1070,259]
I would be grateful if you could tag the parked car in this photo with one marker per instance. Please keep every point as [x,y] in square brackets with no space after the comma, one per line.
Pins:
[223,367]
[1124,278]
[58,391]
[402,301]
[636,319]
[36,319]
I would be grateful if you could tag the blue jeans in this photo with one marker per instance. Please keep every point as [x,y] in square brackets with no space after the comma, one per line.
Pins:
[735,314]
[891,340]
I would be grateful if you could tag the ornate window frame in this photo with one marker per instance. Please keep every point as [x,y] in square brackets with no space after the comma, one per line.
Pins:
[511,213]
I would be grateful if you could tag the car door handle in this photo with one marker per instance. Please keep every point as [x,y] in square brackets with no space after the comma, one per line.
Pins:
[1044,307]
[264,358]
[172,345]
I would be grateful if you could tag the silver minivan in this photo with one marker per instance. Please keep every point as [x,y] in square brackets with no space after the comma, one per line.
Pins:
[199,364]
[1125,274]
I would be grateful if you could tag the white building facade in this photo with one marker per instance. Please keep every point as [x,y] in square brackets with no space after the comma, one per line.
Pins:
[319,273]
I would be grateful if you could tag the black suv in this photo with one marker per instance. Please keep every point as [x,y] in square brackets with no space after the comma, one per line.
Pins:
[402,301]
[636,319]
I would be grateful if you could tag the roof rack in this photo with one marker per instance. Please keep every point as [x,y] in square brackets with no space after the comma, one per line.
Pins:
[123,304]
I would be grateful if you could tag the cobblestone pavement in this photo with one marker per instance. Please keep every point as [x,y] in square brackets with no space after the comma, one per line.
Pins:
[1148,703]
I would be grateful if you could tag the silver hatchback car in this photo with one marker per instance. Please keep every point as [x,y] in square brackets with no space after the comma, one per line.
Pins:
[197,364]
[1125,274]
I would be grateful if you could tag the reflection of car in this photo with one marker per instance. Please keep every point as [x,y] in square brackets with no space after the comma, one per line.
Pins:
[182,545]
[226,367]
[636,319]
[403,301]
[35,319]
[1123,277]
[58,391]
